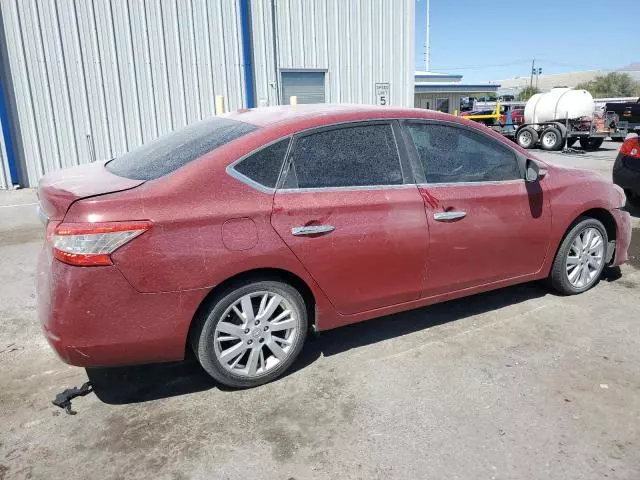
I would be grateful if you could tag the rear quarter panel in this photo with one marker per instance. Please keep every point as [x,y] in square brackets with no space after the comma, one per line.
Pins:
[184,249]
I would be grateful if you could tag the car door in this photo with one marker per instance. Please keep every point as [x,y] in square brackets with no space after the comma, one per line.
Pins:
[349,210]
[486,223]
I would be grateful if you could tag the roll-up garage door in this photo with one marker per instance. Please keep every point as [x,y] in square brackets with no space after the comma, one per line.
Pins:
[307,86]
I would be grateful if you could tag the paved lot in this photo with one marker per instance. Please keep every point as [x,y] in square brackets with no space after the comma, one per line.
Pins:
[514,384]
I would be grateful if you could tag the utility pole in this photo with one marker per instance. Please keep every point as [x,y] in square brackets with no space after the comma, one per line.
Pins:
[427,54]
[533,69]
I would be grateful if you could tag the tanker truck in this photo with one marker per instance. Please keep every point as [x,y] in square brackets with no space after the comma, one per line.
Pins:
[562,117]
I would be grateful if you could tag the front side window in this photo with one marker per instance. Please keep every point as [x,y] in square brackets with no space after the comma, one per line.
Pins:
[450,155]
[364,155]
[264,166]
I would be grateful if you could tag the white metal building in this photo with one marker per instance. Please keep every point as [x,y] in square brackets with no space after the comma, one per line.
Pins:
[92,79]
[443,92]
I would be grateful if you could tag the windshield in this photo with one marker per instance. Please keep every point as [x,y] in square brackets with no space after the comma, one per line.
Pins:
[174,150]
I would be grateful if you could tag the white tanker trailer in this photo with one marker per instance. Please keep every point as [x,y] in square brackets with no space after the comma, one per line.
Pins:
[563,116]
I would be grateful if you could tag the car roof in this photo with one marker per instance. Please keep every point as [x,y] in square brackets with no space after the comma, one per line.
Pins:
[287,119]
[327,114]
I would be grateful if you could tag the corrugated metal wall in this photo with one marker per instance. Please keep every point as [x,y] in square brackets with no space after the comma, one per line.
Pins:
[430,100]
[358,42]
[96,78]
[109,75]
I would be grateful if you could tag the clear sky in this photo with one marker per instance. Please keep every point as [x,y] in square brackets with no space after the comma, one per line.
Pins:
[495,40]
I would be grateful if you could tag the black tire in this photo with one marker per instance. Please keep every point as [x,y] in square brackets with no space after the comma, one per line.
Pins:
[563,130]
[527,137]
[571,141]
[202,333]
[591,143]
[558,278]
[551,139]
[633,198]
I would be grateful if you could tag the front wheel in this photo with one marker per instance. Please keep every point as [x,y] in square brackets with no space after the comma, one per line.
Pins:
[580,258]
[252,334]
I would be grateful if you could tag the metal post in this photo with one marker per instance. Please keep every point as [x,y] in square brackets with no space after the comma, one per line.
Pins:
[533,66]
[219,104]
[566,137]
[427,55]
[276,66]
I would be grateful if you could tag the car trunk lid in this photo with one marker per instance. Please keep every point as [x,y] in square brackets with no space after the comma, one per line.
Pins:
[58,190]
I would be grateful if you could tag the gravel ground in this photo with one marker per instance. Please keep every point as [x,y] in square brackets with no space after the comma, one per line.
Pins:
[513,384]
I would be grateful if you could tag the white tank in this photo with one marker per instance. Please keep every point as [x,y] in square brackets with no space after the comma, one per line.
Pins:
[558,104]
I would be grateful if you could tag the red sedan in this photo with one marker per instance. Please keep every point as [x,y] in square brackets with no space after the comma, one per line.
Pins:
[237,234]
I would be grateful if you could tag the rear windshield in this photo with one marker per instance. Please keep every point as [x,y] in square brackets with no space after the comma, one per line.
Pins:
[174,150]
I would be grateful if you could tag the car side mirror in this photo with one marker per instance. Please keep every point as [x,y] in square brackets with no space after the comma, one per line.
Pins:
[533,171]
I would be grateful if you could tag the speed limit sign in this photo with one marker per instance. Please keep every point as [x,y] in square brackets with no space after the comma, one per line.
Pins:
[382,94]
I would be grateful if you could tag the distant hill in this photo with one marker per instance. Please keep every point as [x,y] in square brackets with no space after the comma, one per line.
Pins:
[570,79]
[632,67]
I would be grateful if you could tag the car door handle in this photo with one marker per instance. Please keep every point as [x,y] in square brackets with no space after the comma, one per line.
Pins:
[448,216]
[312,230]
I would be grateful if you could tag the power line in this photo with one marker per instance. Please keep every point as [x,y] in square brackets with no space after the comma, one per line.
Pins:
[519,62]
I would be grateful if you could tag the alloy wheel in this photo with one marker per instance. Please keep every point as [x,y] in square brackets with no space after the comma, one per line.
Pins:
[255,334]
[585,258]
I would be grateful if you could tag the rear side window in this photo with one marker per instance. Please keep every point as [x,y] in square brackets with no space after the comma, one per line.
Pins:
[174,150]
[364,155]
[263,167]
[452,155]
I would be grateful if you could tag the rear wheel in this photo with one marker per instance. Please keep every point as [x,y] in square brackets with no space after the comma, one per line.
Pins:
[591,143]
[551,139]
[527,137]
[252,334]
[580,258]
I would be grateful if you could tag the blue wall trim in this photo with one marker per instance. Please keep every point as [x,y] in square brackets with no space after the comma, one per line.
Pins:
[8,140]
[245,22]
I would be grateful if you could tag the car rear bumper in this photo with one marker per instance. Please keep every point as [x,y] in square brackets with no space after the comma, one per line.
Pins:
[92,316]
[623,236]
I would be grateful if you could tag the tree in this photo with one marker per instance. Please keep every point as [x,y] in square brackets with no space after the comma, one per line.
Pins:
[612,84]
[526,93]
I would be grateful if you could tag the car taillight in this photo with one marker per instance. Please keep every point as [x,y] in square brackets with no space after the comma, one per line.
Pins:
[631,147]
[91,244]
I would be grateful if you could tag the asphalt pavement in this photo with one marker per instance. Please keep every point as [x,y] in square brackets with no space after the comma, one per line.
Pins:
[514,384]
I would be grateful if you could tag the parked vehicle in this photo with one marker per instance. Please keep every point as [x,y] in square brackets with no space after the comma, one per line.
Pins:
[563,116]
[517,117]
[476,112]
[629,117]
[234,235]
[550,121]
[626,169]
